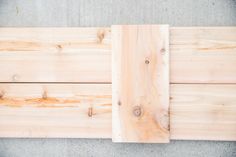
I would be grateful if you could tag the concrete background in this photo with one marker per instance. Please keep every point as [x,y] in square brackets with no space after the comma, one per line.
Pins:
[16,13]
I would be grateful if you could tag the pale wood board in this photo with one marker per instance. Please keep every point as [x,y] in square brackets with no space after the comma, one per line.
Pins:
[140,83]
[55,110]
[197,54]
[203,112]
[197,112]
[203,54]
[55,54]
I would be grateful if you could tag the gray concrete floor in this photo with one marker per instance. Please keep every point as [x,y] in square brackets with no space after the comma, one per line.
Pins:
[73,13]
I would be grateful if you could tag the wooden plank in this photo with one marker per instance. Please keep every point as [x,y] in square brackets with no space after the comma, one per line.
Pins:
[197,112]
[140,83]
[55,110]
[203,54]
[198,54]
[203,112]
[55,55]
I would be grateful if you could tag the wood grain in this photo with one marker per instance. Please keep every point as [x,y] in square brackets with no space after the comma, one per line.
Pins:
[197,55]
[203,54]
[83,55]
[55,110]
[197,112]
[140,83]
[203,112]
[55,55]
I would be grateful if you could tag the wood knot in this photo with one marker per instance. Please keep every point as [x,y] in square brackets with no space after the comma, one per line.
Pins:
[100,35]
[119,103]
[90,111]
[137,111]
[164,121]
[59,47]
[147,61]
[163,50]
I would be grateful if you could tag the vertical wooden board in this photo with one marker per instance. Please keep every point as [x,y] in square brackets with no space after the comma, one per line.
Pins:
[140,83]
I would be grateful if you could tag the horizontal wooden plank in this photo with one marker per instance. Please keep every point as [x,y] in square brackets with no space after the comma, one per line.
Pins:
[203,112]
[203,54]
[197,54]
[55,110]
[197,112]
[55,55]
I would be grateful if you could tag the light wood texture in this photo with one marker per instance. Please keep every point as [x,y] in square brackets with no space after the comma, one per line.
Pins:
[197,54]
[55,110]
[203,112]
[197,112]
[55,55]
[203,54]
[140,83]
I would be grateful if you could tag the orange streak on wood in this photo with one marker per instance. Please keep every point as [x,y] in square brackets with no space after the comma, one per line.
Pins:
[39,102]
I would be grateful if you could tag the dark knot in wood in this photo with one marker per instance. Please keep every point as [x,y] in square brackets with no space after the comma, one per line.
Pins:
[90,111]
[137,111]
[147,61]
